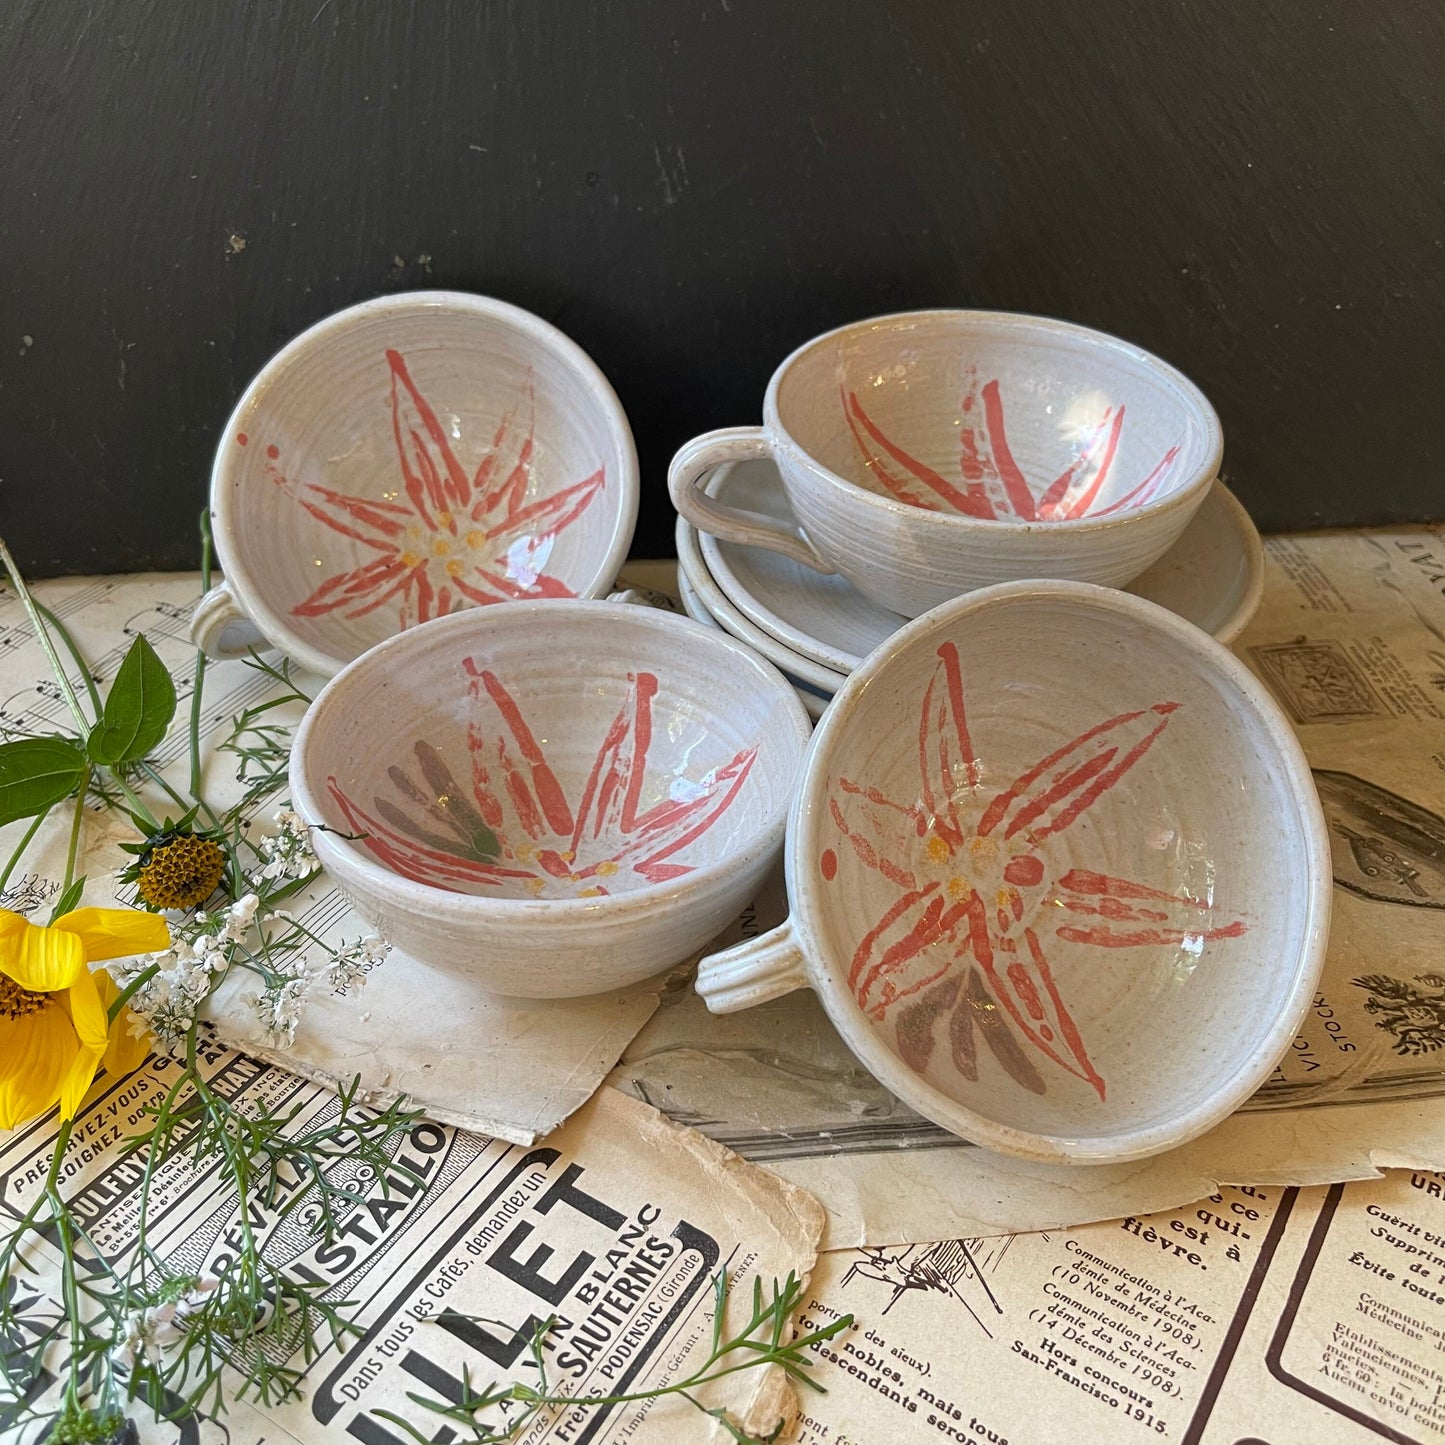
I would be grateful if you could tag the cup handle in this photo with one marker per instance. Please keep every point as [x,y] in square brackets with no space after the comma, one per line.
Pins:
[220,628]
[688,474]
[752,972]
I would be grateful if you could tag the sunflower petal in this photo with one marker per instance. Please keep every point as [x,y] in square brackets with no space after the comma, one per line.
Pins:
[125,1051]
[87,1013]
[42,960]
[36,1053]
[78,1079]
[114,932]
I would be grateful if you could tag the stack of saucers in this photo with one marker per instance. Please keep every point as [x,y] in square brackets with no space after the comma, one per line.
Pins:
[817,627]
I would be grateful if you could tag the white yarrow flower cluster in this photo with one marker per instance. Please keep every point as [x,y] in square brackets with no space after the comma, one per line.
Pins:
[148,1332]
[288,852]
[283,1000]
[348,966]
[166,1004]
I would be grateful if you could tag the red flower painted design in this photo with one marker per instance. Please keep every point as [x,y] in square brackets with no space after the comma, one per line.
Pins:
[991,485]
[976,901]
[444,537]
[515,826]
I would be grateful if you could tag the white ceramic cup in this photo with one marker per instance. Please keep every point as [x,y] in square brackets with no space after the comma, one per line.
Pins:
[932,452]
[1057,872]
[550,798]
[409,457]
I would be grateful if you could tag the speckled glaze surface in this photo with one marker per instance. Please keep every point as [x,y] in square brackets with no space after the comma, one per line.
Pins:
[1212,576]
[408,458]
[1058,873]
[551,798]
[933,452]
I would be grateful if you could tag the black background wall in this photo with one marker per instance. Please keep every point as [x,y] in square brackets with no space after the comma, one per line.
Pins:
[1255,189]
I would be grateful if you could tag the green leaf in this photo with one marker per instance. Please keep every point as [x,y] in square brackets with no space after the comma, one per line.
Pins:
[67,900]
[138,709]
[35,774]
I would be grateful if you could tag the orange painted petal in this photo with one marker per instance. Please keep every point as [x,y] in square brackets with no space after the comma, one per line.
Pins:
[1161,917]
[1104,935]
[434,477]
[910,947]
[1052,794]
[550,515]
[545,787]
[671,826]
[969,503]
[361,583]
[507,494]
[1055,503]
[387,519]
[877,846]
[1014,484]
[946,760]
[614,785]
[1146,489]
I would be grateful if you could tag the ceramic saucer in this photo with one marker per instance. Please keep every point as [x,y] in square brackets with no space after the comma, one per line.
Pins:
[1212,576]
[814,700]
[690,564]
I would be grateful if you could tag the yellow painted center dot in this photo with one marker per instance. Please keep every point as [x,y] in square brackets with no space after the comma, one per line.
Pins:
[476,539]
[607,868]
[937,850]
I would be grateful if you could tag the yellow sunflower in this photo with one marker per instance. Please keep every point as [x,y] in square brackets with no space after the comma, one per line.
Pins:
[54,1034]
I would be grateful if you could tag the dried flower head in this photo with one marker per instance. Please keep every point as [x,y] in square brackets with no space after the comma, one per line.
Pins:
[180,873]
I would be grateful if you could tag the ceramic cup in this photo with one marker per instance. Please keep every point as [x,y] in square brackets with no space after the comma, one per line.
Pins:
[929,453]
[1057,872]
[410,457]
[551,798]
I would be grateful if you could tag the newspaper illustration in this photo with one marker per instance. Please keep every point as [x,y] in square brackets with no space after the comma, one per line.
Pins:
[1282,1315]
[616,1226]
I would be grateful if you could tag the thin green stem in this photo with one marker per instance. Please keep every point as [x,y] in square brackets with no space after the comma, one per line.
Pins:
[38,622]
[133,798]
[160,780]
[60,1212]
[81,665]
[19,852]
[200,678]
[133,987]
[75,823]
[703,1377]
